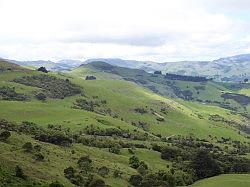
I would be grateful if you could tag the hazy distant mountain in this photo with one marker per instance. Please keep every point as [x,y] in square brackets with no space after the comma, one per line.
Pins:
[235,68]
[145,65]
[62,65]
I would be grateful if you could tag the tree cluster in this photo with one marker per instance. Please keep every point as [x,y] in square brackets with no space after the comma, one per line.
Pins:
[8,93]
[53,87]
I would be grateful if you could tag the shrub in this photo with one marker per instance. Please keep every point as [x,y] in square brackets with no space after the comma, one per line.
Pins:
[143,168]
[115,149]
[19,172]
[7,93]
[103,171]
[135,180]
[85,163]
[52,86]
[134,162]
[39,157]
[117,173]
[4,135]
[97,183]
[42,69]
[90,77]
[37,148]
[204,165]
[69,172]
[56,184]
[140,110]
[28,147]
[41,96]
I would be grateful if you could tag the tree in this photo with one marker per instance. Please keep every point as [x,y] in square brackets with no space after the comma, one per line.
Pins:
[135,180]
[134,162]
[245,80]
[103,171]
[42,69]
[90,77]
[115,149]
[28,147]
[143,168]
[69,172]
[56,184]
[157,72]
[117,173]
[169,153]
[37,148]
[19,172]
[151,179]
[97,183]
[39,157]
[85,163]
[204,165]
[41,96]
[4,135]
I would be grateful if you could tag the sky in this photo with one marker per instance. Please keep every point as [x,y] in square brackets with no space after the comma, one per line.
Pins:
[148,30]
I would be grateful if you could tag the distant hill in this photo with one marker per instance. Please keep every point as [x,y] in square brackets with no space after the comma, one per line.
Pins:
[175,86]
[62,65]
[235,68]
[228,69]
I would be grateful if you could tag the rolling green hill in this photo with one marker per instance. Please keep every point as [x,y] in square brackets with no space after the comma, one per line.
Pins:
[111,119]
[225,180]
[207,92]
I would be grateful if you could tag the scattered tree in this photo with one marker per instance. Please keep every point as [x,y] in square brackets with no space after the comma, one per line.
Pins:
[42,69]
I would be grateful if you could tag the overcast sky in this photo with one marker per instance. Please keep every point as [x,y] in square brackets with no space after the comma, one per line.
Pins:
[155,30]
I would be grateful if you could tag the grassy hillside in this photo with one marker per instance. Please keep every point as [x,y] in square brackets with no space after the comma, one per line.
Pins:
[208,92]
[225,180]
[112,121]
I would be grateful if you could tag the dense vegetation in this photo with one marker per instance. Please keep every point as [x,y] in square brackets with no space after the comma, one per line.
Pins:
[52,86]
[7,93]
[185,78]
[192,159]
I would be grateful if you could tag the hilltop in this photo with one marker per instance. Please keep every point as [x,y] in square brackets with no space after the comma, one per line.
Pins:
[234,68]
[227,69]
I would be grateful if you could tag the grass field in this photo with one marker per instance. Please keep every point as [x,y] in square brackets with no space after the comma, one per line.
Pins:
[229,180]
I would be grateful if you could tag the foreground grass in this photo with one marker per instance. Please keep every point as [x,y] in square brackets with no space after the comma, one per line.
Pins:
[228,180]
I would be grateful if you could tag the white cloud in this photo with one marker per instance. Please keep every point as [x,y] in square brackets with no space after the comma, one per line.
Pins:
[159,30]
